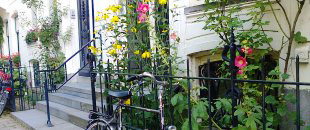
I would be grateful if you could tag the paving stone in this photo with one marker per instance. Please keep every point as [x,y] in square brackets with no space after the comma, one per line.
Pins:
[36,120]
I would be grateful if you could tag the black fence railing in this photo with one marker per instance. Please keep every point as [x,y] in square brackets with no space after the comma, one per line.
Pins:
[26,93]
[113,78]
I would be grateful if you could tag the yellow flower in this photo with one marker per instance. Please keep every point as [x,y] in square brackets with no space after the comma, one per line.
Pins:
[115,8]
[137,52]
[119,6]
[117,46]
[133,29]
[165,31]
[112,51]
[110,28]
[162,2]
[95,32]
[94,50]
[98,18]
[105,16]
[115,19]
[146,0]
[146,54]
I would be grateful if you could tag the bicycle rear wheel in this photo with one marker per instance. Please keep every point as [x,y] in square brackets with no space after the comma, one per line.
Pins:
[3,100]
[98,125]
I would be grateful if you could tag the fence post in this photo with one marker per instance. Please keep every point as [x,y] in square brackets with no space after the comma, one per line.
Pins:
[297,95]
[233,76]
[12,94]
[263,93]
[49,123]
[189,96]
[209,95]
[91,61]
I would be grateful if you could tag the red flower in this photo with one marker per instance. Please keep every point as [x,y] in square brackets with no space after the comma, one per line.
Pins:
[240,62]
[8,89]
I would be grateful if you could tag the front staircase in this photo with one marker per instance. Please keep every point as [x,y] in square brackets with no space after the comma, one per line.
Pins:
[69,107]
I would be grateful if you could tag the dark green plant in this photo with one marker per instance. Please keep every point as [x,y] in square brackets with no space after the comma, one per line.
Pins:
[31,37]
[1,32]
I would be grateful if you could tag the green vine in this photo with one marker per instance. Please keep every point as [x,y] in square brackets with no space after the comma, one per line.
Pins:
[1,32]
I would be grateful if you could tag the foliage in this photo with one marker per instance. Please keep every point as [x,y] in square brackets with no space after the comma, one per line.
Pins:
[31,37]
[139,41]
[1,32]
[49,36]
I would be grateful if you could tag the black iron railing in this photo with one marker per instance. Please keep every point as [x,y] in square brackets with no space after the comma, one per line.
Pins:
[48,75]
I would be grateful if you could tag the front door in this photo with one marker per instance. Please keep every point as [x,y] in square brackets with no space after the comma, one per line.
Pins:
[84,30]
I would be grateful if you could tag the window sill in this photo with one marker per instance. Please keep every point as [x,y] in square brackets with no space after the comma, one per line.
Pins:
[200,9]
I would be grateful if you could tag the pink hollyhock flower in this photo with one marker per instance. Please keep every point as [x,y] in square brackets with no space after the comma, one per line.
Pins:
[173,36]
[240,72]
[142,17]
[144,8]
[250,51]
[240,62]
[243,49]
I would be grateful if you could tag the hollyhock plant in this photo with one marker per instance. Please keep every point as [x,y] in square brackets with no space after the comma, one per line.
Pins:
[240,62]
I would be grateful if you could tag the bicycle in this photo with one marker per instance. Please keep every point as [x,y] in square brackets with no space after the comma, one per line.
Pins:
[4,90]
[99,121]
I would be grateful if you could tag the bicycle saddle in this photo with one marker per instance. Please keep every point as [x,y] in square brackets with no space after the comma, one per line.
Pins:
[123,94]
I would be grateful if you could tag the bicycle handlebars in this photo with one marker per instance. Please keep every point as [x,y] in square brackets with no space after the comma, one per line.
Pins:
[146,74]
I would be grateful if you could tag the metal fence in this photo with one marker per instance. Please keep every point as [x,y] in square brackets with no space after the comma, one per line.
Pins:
[24,93]
[113,78]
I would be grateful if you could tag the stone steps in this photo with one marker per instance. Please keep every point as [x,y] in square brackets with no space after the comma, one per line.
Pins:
[70,104]
[75,102]
[69,114]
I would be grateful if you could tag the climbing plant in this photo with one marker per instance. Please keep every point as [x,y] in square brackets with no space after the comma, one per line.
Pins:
[1,32]
[49,35]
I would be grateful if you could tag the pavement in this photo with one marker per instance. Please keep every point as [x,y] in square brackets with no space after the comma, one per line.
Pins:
[8,123]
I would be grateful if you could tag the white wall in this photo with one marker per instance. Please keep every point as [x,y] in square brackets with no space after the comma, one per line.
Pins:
[195,41]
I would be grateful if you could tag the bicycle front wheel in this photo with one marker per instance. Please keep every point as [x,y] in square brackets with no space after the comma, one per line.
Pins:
[98,125]
[3,100]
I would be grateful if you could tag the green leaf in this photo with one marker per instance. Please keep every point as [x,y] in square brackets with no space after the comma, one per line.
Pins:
[282,110]
[290,97]
[251,122]
[299,38]
[270,100]
[185,125]
[199,110]
[285,76]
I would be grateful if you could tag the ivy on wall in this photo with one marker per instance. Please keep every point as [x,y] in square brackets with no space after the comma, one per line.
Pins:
[1,32]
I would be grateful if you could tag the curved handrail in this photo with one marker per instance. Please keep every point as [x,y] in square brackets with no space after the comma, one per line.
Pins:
[81,49]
